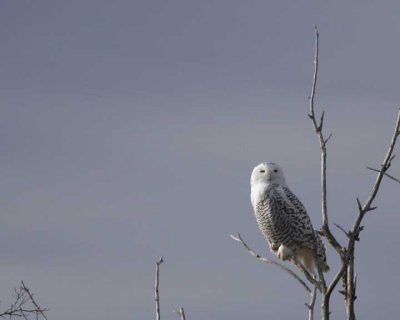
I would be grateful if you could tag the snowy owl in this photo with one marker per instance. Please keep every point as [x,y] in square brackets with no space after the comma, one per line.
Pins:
[283,220]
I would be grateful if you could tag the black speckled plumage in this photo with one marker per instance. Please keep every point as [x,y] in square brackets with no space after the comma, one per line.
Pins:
[283,219]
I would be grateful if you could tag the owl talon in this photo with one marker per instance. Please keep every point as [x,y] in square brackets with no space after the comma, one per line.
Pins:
[273,247]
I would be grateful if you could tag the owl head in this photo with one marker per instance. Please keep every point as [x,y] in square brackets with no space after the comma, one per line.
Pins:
[267,172]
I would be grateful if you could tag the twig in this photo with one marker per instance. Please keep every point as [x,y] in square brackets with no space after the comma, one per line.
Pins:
[386,174]
[238,238]
[156,291]
[342,229]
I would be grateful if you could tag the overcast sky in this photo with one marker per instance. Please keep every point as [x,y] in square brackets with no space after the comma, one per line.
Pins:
[129,130]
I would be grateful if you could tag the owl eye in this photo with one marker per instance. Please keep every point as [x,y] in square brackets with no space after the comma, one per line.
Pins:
[276,170]
[262,171]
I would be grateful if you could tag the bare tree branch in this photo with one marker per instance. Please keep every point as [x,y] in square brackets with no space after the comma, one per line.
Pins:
[310,306]
[28,292]
[385,166]
[325,230]
[156,290]
[20,307]
[324,206]
[386,174]
[238,238]
[336,279]
[322,143]
[182,314]
[357,228]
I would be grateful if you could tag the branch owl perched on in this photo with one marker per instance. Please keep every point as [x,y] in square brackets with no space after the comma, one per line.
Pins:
[283,220]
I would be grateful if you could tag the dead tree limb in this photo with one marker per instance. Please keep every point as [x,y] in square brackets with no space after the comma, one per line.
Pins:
[325,229]
[350,284]
[156,290]
[318,126]
[28,292]
[238,238]
[182,314]
[311,305]
[310,278]
[24,305]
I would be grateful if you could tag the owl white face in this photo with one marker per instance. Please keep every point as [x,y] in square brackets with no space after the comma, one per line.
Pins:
[267,172]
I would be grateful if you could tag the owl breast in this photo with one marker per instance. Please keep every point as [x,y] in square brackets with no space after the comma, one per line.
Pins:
[273,225]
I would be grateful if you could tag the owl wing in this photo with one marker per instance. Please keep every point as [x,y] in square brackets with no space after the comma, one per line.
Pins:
[296,215]
[303,230]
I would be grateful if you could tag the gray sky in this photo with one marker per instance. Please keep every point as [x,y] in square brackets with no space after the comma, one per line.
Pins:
[129,130]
